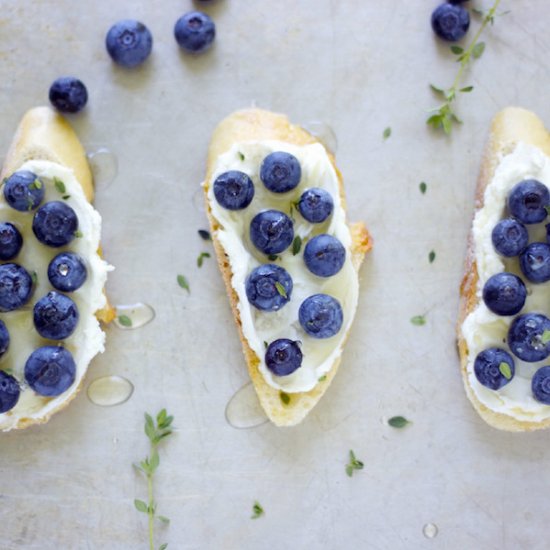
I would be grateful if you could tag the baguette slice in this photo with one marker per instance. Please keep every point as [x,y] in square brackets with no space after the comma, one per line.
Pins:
[509,127]
[44,135]
[257,124]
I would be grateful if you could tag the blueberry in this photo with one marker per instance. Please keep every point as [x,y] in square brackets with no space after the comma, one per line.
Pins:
[526,337]
[504,294]
[488,369]
[129,42]
[450,22]
[324,255]
[55,224]
[9,392]
[50,370]
[283,357]
[271,231]
[68,94]
[4,338]
[233,190]
[11,241]
[268,287]
[509,237]
[15,287]
[535,262]
[280,172]
[316,205]
[195,31]
[55,316]
[321,316]
[527,200]
[540,385]
[67,272]
[23,190]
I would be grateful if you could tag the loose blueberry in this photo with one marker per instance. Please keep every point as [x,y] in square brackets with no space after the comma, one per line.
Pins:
[450,22]
[509,237]
[489,370]
[195,31]
[55,316]
[268,287]
[321,316]
[280,172]
[525,337]
[283,357]
[504,294]
[129,42]
[50,370]
[55,224]
[67,272]
[233,190]
[527,201]
[9,392]
[4,338]
[23,190]
[324,255]
[11,241]
[316,205]
[15,287]
[68,94]
[271,231]
[540,385]
[535,262]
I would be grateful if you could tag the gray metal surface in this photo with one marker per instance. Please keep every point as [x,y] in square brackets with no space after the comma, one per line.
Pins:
[360,67]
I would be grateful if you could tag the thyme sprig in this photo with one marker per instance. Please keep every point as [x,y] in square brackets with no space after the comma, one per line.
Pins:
[156,432]
[443,117]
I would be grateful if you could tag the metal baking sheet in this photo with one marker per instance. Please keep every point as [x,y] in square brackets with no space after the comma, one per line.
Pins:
[358,67]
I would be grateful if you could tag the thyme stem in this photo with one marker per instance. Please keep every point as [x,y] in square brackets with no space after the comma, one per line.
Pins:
[150,509]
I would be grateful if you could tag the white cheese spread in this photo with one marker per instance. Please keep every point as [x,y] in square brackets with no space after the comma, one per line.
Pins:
[88,338]
[258,326]
[482,328]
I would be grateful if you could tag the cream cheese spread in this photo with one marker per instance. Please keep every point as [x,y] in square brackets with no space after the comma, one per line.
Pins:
[261,327]
[88,338]
[482,328]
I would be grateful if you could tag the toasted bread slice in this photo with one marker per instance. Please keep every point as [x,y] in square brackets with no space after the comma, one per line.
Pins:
[44,135]
[511,126]
[260,125]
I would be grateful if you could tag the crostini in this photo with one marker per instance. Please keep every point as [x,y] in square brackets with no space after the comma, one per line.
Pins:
[52,277]
[503,323]
[290,260]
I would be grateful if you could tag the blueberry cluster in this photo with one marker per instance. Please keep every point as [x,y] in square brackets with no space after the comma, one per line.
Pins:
[129,43]
[50,370]
[505,293]
[269,286]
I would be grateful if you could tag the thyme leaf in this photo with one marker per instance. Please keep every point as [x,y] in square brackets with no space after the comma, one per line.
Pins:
[353,464]
[182,281]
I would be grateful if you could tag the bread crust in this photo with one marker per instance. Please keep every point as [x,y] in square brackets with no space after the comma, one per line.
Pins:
[509,127]
[258,124]
[43,134]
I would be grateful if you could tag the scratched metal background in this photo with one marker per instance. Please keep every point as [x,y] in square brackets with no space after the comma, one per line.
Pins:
[360,67]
